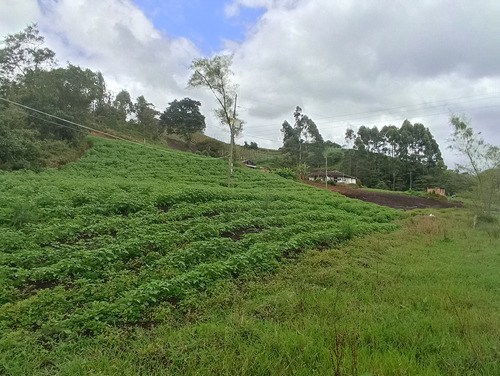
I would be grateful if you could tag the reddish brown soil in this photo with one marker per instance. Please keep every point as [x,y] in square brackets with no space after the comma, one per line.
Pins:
[177,145]
[102,135]
[396,201]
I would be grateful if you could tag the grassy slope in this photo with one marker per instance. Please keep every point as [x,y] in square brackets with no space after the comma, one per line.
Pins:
[419,301]
[116,239]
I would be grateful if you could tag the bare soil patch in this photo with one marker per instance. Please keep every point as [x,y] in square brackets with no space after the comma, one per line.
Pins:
[392,200]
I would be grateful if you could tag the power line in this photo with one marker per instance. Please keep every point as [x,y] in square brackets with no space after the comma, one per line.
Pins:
[67,121]
[415,107]
[88,128]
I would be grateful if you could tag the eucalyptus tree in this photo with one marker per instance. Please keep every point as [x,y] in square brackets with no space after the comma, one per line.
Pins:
[303,142]
[216,75]
[147,117]
[23,52]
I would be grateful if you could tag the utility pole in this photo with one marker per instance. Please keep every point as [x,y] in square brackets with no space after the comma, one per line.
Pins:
[410,180]
[300,150]
[326,171]
[231,146]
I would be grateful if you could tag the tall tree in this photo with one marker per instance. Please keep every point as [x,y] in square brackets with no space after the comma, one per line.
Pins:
[482,162]
[147,117]
[215,74]
[123,103]
[291,142]
[183,117]
[302,142]
[24,52]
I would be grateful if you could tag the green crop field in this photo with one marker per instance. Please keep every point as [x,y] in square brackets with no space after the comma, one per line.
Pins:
[137,260]
[107,239]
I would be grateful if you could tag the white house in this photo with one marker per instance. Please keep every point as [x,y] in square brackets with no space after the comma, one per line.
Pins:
[335,176]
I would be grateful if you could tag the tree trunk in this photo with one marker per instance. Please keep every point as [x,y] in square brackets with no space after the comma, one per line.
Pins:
[230,160]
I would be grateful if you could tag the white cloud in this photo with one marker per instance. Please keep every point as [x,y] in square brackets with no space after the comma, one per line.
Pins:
[16,15]
[117,39]
[346,63]
[359,57]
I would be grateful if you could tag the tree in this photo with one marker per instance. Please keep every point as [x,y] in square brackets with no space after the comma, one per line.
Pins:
[215,74]
[302,142]
[291,141]
[146,117]
[70,93]
[483,163]
[23,52]
[123,103]
[18,146]
[183,117]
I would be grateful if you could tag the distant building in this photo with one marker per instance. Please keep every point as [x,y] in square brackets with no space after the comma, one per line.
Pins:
[249,164]
[335,176]
[437,191]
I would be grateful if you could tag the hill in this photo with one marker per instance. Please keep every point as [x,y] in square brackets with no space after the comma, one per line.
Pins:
[137,260]
[107,240]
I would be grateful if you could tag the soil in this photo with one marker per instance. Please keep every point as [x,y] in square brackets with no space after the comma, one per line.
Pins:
[177,145]
[396,201]
[102,135]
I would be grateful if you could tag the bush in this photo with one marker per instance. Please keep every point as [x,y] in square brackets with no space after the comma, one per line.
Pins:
[286,173]
[22,214]
[211,148]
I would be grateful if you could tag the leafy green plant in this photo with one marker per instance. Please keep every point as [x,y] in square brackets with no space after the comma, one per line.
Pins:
[286,173]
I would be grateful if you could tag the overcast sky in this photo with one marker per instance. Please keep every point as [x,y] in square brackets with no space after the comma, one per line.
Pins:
[346,63]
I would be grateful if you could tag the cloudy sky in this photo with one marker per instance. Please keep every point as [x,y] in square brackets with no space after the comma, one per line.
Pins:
[347,63]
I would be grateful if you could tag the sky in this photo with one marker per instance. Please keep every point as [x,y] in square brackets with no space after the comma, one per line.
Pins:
[346,63]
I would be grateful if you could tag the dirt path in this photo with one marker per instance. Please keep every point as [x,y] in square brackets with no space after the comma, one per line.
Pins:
[396,201]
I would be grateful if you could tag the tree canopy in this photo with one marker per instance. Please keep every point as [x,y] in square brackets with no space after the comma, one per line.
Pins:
[302,142]
[183,117]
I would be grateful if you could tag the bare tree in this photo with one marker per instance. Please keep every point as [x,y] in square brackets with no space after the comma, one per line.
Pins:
[483,163]
[215,74]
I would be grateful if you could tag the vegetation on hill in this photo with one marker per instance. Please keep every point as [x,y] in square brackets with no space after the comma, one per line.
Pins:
[420,300]
[137,259]
[45,112]
[111,239]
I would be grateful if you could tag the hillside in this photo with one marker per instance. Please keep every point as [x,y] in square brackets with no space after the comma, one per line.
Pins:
[107,240]
[137,260]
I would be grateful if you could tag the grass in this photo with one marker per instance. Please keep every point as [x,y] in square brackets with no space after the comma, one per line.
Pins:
[422,300]
[104,241]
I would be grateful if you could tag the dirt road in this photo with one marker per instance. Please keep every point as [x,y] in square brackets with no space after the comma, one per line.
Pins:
[396,201]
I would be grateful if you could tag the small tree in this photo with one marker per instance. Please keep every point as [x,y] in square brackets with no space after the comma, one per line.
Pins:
[483,162]
[215,74]
[183,117]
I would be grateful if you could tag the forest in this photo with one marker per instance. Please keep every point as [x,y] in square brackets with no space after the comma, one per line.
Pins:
[65,103]
[398,159]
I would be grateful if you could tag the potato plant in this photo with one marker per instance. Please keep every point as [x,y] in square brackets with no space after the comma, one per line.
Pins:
[127,227]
